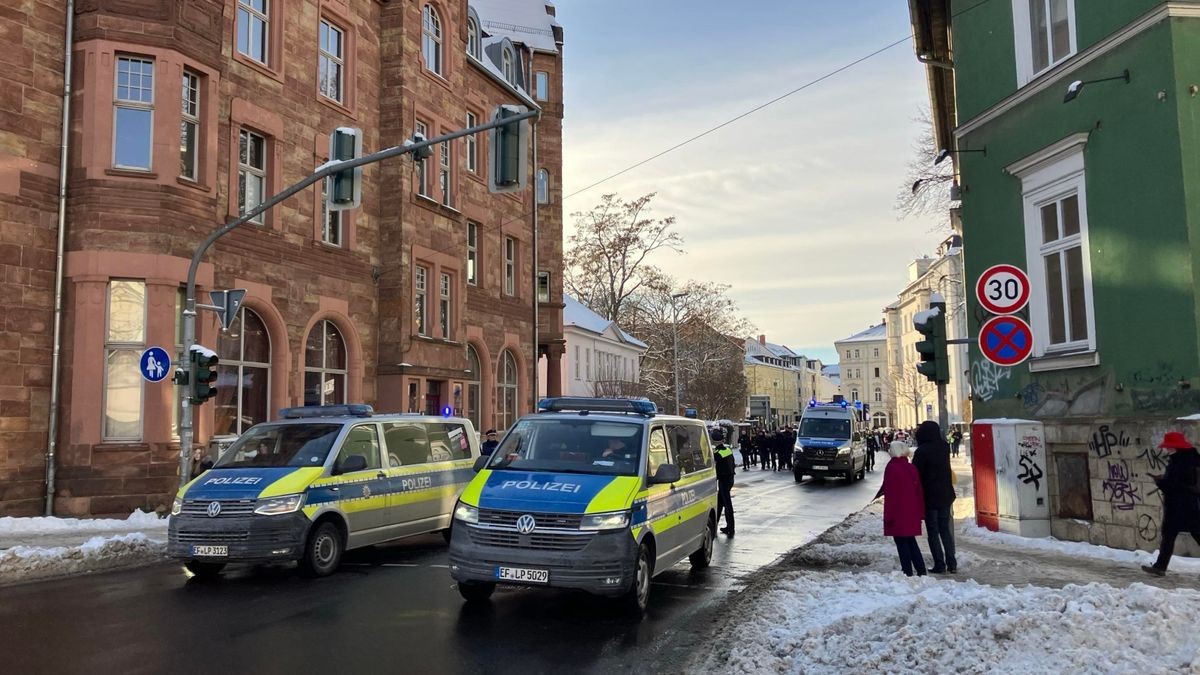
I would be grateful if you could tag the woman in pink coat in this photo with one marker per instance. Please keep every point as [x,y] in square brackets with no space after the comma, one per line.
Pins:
[903,508]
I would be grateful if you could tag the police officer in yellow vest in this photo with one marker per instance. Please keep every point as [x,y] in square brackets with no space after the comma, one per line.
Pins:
[726,466]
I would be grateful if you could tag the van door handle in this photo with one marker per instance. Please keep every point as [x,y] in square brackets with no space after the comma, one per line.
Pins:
[381,475]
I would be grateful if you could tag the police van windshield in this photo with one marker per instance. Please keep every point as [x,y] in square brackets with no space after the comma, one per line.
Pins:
[824,427]
[571,446]
[280,445]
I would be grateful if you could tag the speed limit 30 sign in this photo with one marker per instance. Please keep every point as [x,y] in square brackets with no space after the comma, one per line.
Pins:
[1003,289]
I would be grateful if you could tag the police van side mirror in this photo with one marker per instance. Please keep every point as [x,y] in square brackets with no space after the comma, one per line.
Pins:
[666,473]
[481,462]
[351,464]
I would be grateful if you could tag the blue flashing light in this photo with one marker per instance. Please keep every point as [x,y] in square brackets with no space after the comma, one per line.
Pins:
[609,405]
[845,403]
[350,410]
[812,402]
[447,411]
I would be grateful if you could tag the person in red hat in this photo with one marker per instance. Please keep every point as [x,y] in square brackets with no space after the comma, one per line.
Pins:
[1181,498]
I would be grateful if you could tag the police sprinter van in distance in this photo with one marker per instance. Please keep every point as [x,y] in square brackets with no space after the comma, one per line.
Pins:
[828,443]
[320,481]
[591,494]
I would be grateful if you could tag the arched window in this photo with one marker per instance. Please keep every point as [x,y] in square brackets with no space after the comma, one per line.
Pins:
[324,365]
[854,395]
[543,186]
[506,61]
[473,390]
[878,395]
[473,37]
[431,39]
[243,375]
[506,391]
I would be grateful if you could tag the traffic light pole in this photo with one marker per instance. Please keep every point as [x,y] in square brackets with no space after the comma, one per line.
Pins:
[187,418]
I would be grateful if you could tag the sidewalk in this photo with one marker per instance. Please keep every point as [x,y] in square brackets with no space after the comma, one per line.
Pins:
[42,548]
[1016,605]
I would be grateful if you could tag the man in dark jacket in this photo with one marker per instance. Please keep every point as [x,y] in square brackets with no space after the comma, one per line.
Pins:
[932,460]
[725,470]
[1181,501]
[489,444]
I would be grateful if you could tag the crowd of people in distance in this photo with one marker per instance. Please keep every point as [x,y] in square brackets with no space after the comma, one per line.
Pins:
[769,450]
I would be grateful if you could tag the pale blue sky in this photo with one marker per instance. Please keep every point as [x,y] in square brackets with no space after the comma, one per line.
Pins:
[791,206]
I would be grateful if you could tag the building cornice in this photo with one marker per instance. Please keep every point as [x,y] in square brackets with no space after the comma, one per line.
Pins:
[1049,154]
[1052,77]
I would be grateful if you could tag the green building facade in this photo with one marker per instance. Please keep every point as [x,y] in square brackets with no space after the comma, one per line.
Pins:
[1097,198]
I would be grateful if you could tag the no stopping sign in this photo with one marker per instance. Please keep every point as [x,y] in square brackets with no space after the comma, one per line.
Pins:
[1003,289]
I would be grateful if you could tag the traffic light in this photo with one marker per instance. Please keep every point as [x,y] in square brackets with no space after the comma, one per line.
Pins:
[509,152]
[204,374]
[931,324]
[345,187]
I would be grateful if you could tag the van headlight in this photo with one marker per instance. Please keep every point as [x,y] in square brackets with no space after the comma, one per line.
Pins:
[466,513]
[615,520]
[276,506]
[177,506]
[843,452]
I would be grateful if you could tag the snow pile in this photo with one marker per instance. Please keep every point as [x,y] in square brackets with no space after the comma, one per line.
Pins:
[1073,549]
[833,623]
[859,542]
[25,563]
[138,520]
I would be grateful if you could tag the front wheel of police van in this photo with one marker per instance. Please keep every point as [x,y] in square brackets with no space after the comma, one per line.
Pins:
[638,596]
[204,570]
[701,557]
[476,591]
[323,551]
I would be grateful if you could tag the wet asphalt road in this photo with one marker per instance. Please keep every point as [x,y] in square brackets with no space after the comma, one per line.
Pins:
[395,608]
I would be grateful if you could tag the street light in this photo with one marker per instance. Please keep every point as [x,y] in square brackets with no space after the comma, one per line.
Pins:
[675,348]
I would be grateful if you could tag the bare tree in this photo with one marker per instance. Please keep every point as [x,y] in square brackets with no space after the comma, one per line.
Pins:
[910,388]
[925,191]
[607,257]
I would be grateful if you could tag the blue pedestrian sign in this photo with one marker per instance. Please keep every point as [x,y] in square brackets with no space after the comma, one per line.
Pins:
[155,364]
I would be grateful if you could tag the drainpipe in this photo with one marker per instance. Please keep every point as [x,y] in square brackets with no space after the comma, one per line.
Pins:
[56,356]
[536,276]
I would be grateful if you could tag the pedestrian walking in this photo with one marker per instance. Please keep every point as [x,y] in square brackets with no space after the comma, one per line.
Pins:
[1180,485]
[932,461]
[200,462]
[955,442]
[766,450]
[903,508]
[725,471]
[872,447]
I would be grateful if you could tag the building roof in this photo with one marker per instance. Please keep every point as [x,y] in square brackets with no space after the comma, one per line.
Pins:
[872,334]
[832,370]
[525,21]
[576,314]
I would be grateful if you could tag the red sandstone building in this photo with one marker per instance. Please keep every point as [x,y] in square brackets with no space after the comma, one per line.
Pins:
[184,113]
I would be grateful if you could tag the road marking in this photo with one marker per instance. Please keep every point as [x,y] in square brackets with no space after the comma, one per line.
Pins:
[445,567]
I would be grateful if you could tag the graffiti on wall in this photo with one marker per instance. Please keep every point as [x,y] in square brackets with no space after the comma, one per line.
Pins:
[1155,459]
[1119,488]
[1031,469]
[1064,397]
[1106,440]
[986,377]
[1147,527]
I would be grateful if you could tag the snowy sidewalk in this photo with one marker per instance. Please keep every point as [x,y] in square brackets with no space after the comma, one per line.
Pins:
[1017,605]
[42,548]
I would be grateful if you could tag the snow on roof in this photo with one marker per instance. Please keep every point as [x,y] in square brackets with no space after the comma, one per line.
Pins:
[525,21]
[871,334]
[833,369]
[576,314]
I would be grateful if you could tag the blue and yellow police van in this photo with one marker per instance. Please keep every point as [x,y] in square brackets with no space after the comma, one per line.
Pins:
[829,443]
[319,481]
[591,494]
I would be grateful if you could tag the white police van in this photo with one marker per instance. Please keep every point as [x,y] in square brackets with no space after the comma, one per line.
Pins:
[319,481]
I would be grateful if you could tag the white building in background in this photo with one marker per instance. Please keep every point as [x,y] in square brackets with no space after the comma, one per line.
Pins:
[601,359]
[864,373]
[830,384]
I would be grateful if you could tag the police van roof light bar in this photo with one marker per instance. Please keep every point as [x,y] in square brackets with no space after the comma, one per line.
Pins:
[350,410]
[610,405]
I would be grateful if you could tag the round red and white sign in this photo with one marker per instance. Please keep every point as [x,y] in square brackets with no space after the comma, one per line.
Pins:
[1006,340]
[1003,289]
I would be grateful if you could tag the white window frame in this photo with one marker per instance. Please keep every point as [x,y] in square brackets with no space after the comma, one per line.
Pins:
[474,38]
[322,368]
[472,253]
[506,61]
[247,171]
[444,175]
[134,104]
[541,85]
[253,15]
[1023,32]
[472,145]
[114,346]
[445,308]
[510,266]
[420,292]
[332,232]
[190,119]
[240,363]
[543,186]
[577,362]
[1049,175]
[431,40]
[330,62]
